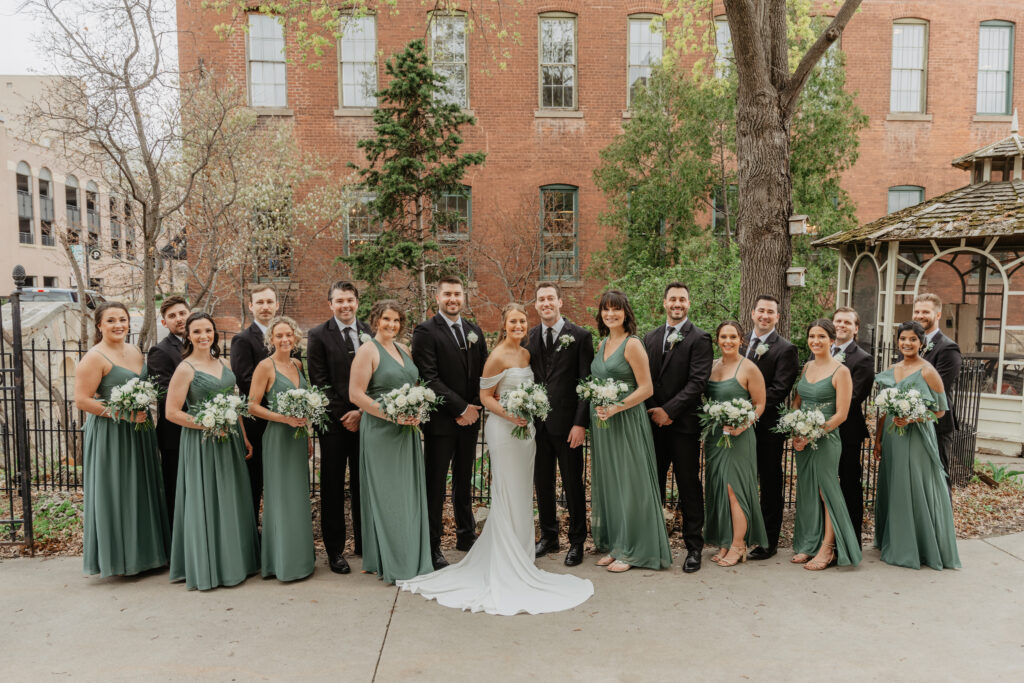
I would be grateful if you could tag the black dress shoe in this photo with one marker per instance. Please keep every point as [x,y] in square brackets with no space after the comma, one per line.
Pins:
[545,546]
[465,544]
[762,553]
[339,565]
[437,559]
[575,555]
[692,561]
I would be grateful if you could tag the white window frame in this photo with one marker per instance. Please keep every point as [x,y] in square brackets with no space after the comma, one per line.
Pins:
[258,98]
[642,69]
[362,199]
[899,75]
[573,65]
[904,191]
[448,68]
[995,75]
[355,33]
[723,47]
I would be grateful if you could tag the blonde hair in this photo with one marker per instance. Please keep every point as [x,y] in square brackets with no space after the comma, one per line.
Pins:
[930,298]
[379,309]
[278,320]
[504,317]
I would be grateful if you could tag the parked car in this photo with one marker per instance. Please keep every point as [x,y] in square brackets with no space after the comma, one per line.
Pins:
[92,297]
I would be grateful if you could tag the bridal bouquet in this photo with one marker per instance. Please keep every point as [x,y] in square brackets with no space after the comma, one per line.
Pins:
[219,414]
[602,392]
[908,404]
[529,400]
[309,403]
[718,414]
[135,395]
[410,401]
[807,423]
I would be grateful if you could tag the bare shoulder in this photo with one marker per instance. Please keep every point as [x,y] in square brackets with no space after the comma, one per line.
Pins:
[403,347]
[931,376]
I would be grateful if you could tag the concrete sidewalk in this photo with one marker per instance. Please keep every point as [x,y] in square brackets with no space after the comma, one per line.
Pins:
[761,621]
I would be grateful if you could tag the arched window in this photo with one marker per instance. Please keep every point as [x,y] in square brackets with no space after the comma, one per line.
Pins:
[46,207]
[864,298]
[74,210]
[92,213]
[23,180]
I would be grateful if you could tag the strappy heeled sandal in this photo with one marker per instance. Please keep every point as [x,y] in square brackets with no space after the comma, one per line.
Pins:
[742,550]
[800,558]
[618,566]
[722,552]
[818,565]
[605,561]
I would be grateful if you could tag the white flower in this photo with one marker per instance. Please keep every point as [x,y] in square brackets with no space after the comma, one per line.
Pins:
[472,338]
[841,356]
[623,387]
[230,415]
[674,338]
[401,401]
[365,338]
[931,345]
[429,395]
[208,421]
[564,342]
[904,405]
[762,349]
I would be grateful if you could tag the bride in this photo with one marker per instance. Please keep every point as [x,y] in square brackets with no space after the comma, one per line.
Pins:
[498,575]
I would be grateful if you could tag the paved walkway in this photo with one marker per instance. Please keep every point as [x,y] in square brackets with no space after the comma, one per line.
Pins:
[763,621]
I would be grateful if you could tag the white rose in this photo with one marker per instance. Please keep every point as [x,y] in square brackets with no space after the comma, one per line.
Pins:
[401,401]
[429,394]
[209,421]
[904,405]
[230,414]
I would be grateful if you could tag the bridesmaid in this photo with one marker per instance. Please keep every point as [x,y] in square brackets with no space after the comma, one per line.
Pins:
[126,528]
[214,541]
[913,513]
[732,508]
[392,483]
[287,549]
[626,516]
[823,525]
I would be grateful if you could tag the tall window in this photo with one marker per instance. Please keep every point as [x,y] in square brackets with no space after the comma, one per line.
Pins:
[448,56]
[360,225]
[115,227]
[453,212]
[909,79]
[645,48]
[129,231]
[46,207]
[74,211]
[23,180]
[995,67]
[266,62]
[92,213]
[558,61]
[357,55]
[558,232]
[723,47]
[902,196]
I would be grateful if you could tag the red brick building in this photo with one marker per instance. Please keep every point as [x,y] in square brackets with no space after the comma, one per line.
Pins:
[917,67]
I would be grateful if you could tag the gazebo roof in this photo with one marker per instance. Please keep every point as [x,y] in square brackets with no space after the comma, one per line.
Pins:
[975,211]
[1005,148]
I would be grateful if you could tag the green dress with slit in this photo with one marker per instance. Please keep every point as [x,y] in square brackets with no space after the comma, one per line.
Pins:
[214,541]
[392,483]
[126,530]
[913,513]
[817,478]
[626,517]
[731,466]
[287,541]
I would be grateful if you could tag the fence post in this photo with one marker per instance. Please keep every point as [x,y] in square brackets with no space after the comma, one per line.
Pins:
[20,425]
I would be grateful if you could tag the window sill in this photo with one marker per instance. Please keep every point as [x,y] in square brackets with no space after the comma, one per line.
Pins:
[273,111]
[627,114]
[907,116]
[565,284]
[992,118]
[363,112]
[557,114]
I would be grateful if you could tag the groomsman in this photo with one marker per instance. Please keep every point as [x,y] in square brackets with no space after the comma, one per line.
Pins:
[943,353]
[680,356]
[162,360]
[248,348]
[853,432]
[450,353]
[331,347]
[560,356]
[777,360]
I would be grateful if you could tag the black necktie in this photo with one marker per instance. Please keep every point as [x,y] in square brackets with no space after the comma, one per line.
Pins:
[835,350]
[668,333]
[346,334]
[754,341]
[457,328]
[550,340]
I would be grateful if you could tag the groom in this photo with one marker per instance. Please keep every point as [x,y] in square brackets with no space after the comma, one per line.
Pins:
[560,356]
[450,353]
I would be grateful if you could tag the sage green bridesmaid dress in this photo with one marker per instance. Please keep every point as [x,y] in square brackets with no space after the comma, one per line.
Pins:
[817,477]
[626,518]
[214,541]
[126,529]
[392,483]
[734,466]
[913,513]
[287,541]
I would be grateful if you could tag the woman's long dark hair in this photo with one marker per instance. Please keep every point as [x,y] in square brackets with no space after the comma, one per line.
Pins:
[188,348]
[97,317]
[618,300]
[825,324]
[916,328]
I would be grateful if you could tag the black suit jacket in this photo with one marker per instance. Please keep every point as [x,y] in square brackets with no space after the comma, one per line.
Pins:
[680,375]
[945,356]
[862,370]
[780,366]
[248,348]
[447,370]
[565,368]
[161,362]
[329,364]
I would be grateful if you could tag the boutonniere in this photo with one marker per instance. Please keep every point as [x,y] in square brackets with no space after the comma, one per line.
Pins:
[929,347]
[472,338]
[565,341]
[761,349]
[675,338]
[840,356]
[365,338]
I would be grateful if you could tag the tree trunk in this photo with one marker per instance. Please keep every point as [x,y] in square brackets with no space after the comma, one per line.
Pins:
[147,336]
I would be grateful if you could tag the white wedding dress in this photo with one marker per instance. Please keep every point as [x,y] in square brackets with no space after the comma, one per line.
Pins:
[498,575]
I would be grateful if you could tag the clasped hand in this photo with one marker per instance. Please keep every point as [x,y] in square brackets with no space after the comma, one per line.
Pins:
[735,431]
[605,412]
[408,421]
[295,422]
[467,418]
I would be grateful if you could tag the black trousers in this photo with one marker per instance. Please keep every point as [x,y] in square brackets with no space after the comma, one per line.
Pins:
[339,448]
[850,474]
[945,440]
[169,469]
[254,432]
[769,472]
[458,452]
[682,452]
[552,450]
